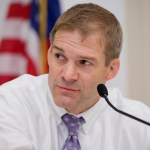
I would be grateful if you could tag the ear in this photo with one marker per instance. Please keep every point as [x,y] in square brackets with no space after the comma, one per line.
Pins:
[113,69]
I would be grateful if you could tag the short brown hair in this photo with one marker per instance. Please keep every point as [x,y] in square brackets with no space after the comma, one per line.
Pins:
[88,18]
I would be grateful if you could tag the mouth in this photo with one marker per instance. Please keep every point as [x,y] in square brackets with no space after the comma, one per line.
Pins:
[65,88]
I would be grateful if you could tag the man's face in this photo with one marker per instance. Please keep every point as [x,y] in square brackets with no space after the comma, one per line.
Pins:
[76,67]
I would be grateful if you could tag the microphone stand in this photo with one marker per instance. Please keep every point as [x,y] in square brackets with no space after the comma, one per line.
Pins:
[124,113]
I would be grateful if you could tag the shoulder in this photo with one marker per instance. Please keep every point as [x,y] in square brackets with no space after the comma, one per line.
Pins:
[26,94]
[25,80]
[25,87]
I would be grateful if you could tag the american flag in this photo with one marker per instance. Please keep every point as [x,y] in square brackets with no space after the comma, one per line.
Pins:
[25,38]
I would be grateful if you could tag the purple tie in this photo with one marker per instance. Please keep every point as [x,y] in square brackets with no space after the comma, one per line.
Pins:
[73,123]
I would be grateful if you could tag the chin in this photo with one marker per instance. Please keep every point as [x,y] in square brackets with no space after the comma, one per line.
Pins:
[64,102]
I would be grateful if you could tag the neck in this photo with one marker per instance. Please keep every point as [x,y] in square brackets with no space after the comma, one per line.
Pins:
[82,108]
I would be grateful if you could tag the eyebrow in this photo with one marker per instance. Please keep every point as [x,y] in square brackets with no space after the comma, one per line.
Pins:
[58,48]
[88,58]
[80,57]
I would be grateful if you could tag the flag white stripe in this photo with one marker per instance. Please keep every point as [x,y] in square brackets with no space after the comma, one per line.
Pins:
[22,1]
[12,64]
[16,28]
[19,29]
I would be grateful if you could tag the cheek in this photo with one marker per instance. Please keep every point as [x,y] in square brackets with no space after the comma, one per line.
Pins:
[52,74]
[52,71]
[52,67]
[89,82]
[92,80]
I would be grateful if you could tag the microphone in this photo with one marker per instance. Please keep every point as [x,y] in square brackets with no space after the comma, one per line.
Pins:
[103,92]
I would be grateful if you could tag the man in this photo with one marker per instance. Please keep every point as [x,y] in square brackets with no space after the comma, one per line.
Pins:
[85,47]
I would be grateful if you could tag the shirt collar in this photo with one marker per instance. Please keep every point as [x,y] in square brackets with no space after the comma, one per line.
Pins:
[92,114]
[57,111]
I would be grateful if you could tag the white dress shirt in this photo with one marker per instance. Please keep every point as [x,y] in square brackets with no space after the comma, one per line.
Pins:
[29,120]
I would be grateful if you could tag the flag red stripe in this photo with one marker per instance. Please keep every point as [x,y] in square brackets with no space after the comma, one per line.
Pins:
[18,10]
[5,78]
[12,46]
[18,47]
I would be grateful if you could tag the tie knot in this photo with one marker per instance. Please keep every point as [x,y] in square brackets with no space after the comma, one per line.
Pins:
[73,123]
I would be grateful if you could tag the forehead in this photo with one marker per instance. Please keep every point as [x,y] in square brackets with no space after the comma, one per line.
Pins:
[73,41]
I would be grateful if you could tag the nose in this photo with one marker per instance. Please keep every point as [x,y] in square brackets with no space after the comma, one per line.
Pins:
[70,73]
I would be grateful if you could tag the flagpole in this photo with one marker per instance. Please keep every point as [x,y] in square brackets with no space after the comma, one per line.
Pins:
[43,31]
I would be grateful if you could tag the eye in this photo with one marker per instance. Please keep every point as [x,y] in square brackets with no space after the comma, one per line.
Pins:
[85,62]
[59,56]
